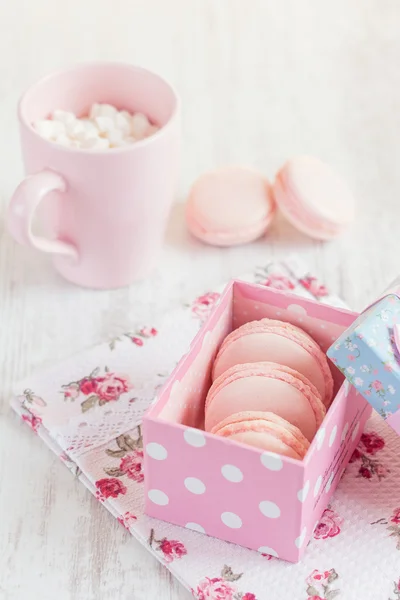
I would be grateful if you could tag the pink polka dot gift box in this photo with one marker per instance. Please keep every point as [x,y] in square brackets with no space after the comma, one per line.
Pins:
[229,490]
[368,355]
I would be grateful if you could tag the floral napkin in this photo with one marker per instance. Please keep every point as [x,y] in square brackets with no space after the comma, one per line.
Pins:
[88,411]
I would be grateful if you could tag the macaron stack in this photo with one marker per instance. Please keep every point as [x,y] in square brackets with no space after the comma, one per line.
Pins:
[271,388]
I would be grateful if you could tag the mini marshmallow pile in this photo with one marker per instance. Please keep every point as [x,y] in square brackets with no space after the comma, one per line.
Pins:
[105,127]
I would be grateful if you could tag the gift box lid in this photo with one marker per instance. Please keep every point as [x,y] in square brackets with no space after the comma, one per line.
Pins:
[368,355]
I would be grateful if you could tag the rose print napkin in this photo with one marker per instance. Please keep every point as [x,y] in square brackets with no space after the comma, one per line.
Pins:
[88,411]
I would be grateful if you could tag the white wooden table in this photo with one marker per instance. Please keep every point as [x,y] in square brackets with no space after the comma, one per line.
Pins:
[260,81]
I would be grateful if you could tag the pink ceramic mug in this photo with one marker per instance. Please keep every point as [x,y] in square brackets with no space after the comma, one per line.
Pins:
[105,211]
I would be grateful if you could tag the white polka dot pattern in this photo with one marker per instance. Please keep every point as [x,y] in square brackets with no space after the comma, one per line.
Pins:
[156,451]
[317,486]
[195,527]
[195,438]
[320,437]
[231,520]
[232,473]
[268,550]
[270,509]
[332,437]
[158,497]
[271,461]
[194,485]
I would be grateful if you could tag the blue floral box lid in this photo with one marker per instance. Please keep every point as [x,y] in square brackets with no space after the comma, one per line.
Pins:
[367,355]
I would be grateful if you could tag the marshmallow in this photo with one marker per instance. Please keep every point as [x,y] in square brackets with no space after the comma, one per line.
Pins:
[104,124]
[49,129]
[103,110]
[105,127]
[63,116]
[139,125]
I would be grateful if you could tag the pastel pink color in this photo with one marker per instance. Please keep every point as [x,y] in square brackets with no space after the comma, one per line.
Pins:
[266,387]
[230,206]
[264,430]
[279,342]
[314,198]
[105,213]
[244,484]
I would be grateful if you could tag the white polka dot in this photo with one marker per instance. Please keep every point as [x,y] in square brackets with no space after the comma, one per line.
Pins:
[355,431]
[231,520]
[332,437]
[299,541]
[232,473]
[344,432]
[270,509]
[268,550]
[194,437]
[296,308]
[156,451]
[195,527]
[158,497]
[320,437]
[271,461]
[303,493]
[194,485]
[329,482]
[317,486]
[323,326]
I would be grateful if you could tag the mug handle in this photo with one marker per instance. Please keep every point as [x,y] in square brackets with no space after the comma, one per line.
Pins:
[23,205]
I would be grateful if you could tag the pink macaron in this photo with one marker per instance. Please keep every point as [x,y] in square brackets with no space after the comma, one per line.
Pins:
[279,342]
[265,387]
[266,431]
[230,206]
[314,198]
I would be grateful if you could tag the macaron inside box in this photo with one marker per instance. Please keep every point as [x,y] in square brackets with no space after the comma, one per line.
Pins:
[218,484]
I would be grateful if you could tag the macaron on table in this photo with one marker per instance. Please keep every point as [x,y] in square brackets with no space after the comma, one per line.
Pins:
[255,428]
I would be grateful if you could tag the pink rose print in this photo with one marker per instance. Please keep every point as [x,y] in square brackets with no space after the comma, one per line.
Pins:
[395,516]
[147,332]
[329,525]
[314,286]
[131,465]
[370,444]
[130,454]
[112,386]
[33,421]
[110,488]
[87,386]
[396,589]
[319,585]
[377,385]
[278,282]
[221,588]
[127,520]
[97,390]
[204,304]
[71,391]
[171,549]
[214,589]
[394,525]
[29,397]
[138,338]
